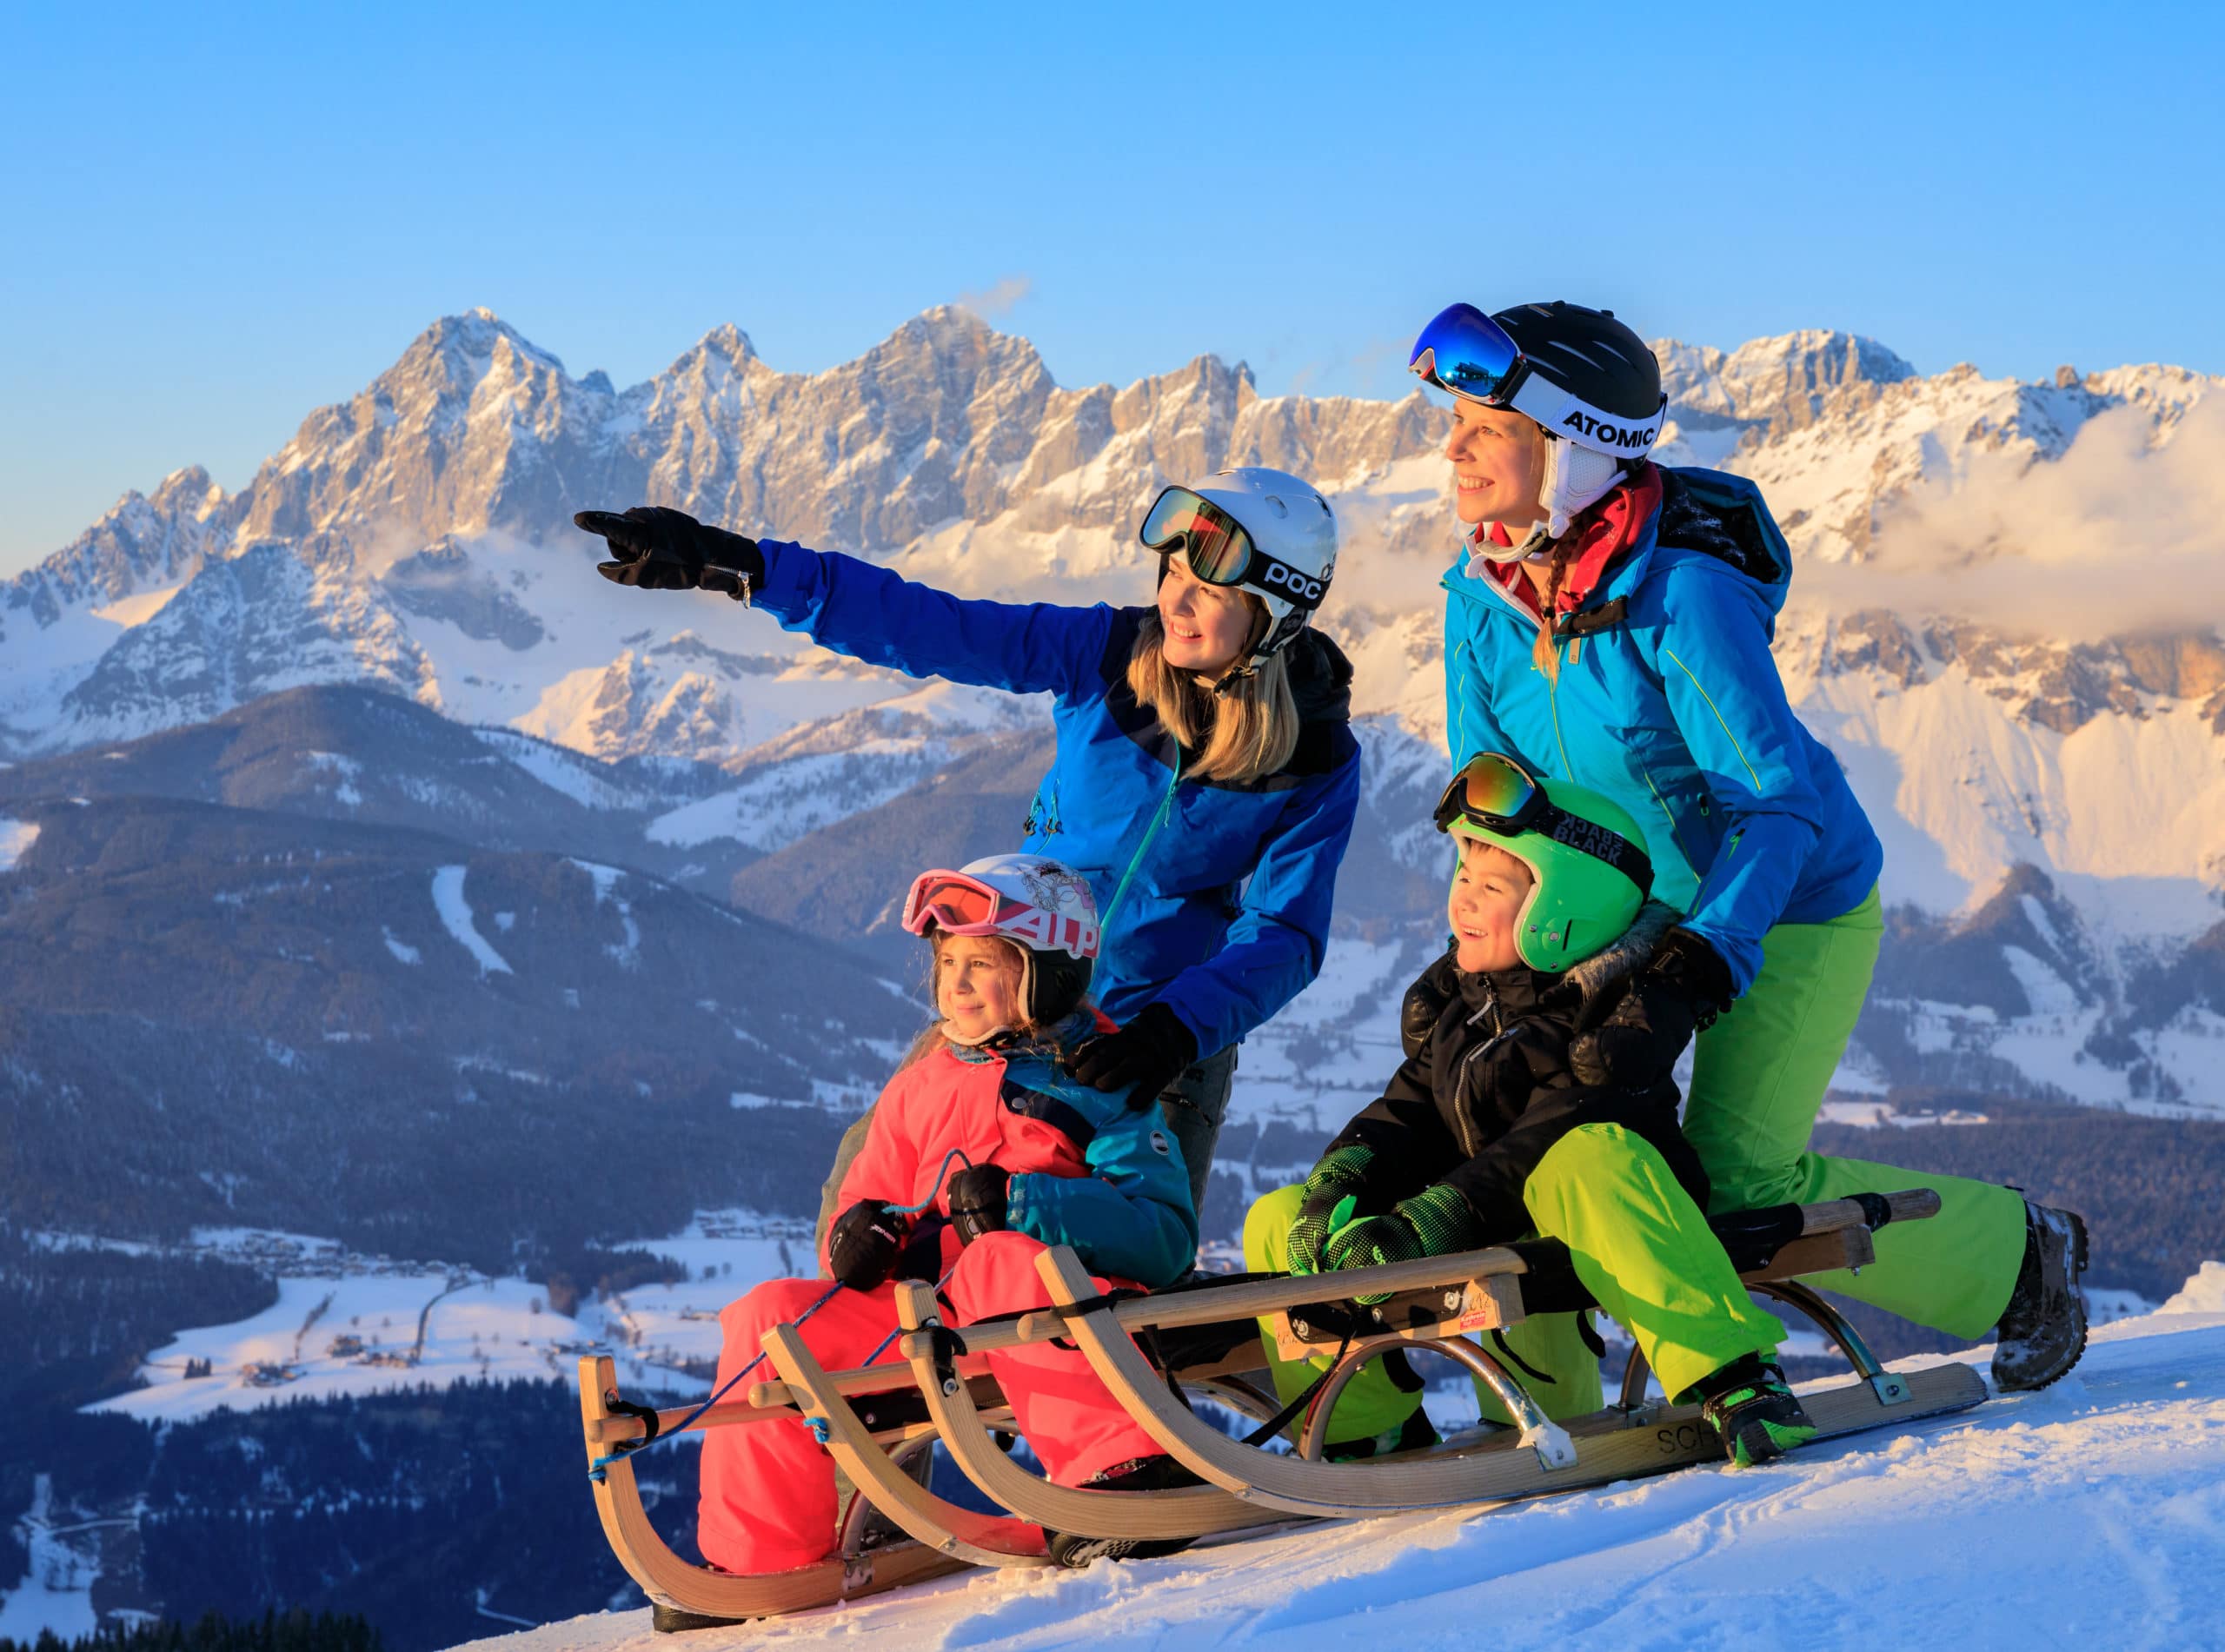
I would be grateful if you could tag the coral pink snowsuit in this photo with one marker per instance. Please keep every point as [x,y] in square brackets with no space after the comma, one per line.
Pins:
[1086,1172]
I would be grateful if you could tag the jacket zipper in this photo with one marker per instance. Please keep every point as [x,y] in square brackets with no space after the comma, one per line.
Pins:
[1158,819]
[1460,1124]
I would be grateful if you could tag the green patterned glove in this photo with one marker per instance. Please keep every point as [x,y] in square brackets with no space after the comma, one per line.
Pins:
[1436,1222]
[1339,1175]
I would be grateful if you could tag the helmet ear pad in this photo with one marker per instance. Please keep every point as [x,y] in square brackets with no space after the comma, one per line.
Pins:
[1574,476]
[1053,984]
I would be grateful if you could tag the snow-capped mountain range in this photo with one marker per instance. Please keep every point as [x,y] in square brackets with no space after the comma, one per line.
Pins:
[417,539]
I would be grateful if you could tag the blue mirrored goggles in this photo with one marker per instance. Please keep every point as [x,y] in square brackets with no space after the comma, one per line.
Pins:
[1464,352]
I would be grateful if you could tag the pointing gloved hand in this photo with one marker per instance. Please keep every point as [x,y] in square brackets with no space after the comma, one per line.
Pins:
[1436,1222]
[864,1243]
[1149,1053]
[1680,992]
[657,549]
[977,1196]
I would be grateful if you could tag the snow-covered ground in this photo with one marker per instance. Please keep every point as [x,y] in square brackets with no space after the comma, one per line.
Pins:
[2091,1515]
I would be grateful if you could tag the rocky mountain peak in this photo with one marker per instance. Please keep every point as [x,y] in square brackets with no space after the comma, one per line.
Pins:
[1784,382]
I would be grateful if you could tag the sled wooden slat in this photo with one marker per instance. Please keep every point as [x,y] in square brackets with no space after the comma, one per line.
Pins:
[1489,1305]
[1185,1512]
[670,1580]
[980,1540]
[1426,1481]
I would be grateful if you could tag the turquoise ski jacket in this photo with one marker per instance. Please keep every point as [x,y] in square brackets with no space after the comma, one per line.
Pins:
[1669,700]
[1214,895]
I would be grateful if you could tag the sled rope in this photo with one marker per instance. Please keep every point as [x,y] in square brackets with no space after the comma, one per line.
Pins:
[627,1447]
[934,1192]
[649,1415]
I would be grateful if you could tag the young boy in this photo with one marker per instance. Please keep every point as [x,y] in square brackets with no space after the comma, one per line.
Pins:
[1484,1135]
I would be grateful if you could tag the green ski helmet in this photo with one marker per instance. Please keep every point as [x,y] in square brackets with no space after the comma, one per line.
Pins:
[1589,869]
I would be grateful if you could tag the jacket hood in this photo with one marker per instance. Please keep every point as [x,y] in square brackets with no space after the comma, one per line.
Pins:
[1711,513]
[1320,679]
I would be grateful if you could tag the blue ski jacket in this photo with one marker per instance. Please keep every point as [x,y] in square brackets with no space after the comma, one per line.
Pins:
[1214,896]
[1669,700]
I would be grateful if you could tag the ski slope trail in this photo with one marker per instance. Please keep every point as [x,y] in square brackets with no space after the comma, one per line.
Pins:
[2092,1514]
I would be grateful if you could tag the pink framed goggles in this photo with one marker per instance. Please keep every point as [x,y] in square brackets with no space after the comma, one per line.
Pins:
[959,904]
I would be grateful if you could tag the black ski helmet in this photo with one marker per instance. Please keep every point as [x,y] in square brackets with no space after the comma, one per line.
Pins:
[1589,353]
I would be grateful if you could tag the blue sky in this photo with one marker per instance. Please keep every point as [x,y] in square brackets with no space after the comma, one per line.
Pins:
[218,222]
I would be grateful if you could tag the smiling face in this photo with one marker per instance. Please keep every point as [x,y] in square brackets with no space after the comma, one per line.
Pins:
[1498,465]
[1205,625]
[1488,891]
[977,986]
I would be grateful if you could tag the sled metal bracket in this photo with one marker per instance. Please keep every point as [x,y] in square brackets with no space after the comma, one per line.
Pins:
[1890,1389]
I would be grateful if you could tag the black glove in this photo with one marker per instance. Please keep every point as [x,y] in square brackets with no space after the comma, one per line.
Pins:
[1684,987]
[977,1200]
[1418,1012]
[1149,1053]
[657,549]
[863,1244]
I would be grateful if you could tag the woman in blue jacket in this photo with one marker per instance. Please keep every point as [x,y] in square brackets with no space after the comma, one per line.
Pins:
[1609,622]
[1205,775]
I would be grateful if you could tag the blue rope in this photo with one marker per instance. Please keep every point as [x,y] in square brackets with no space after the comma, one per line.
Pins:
[628,1448]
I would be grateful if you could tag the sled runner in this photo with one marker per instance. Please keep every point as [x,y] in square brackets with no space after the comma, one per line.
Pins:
[1203,1335]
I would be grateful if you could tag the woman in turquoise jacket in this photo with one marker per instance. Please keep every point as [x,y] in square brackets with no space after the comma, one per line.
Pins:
[1609,622]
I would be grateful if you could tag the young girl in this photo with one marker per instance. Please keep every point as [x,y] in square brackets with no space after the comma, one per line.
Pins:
[1206,777]
[980,1153]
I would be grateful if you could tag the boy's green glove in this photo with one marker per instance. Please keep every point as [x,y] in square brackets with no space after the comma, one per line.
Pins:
[1337,1179]
[1436,1222]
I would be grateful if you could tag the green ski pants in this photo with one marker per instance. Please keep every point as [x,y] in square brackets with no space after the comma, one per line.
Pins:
[1639,1245]
[1758,1078]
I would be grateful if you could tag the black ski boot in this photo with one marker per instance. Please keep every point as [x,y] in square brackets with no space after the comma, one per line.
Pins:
[1417,1433]
[2043,1329]
[1137,1474]
[1758,1418]
[670,1620]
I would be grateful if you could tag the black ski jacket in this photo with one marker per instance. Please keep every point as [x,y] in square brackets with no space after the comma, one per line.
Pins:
[1485,1089]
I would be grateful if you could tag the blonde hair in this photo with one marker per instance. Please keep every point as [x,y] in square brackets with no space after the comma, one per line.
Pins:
[1247,733]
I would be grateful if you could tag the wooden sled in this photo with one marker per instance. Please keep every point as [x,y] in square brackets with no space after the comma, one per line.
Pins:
[1435,1305]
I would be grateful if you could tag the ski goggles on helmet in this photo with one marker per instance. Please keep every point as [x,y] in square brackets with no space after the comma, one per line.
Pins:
[1466,353]
[960,905]
[1500,794]
[1219,551]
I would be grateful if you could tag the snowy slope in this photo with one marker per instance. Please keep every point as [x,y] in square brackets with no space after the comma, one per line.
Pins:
[2091,1515]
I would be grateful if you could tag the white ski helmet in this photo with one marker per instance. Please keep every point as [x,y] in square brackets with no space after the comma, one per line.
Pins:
[1042,906]
[1266,530]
